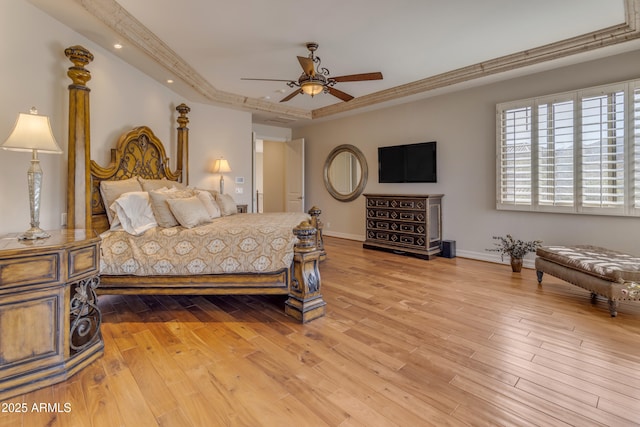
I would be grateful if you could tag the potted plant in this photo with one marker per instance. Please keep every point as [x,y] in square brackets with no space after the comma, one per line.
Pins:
[515,248]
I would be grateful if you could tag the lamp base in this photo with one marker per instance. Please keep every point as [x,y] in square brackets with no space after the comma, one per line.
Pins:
[34,233]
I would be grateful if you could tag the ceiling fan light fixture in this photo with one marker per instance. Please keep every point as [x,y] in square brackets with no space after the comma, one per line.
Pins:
[312,88]
[312,85]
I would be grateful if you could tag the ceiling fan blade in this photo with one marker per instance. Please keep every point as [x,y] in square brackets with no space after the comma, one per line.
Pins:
[265,80]
[359,77]
[339,94]
[307,65]
[291,95]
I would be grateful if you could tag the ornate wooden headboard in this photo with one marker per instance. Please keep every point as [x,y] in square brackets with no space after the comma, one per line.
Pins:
[138,152]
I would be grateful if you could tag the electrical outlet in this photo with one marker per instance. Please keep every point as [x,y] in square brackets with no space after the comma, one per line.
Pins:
[239,190]
[63,219]
[328,225]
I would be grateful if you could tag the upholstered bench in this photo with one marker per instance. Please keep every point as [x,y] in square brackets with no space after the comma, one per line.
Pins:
[611,274]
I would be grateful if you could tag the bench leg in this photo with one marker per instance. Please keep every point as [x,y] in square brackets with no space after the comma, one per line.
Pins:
[539,274]
[613,307]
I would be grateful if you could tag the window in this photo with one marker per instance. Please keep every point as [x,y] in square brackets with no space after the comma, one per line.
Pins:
[575,152]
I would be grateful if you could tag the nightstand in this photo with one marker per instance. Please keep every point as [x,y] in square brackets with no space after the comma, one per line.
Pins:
[49,317]
[242,208]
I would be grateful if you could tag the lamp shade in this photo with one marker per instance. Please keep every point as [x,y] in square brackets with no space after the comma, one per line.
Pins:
[32,132]
[221,166]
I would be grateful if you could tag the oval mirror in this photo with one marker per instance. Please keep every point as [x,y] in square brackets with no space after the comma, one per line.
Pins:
[345,172]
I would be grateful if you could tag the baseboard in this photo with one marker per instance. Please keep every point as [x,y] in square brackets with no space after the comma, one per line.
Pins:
[495,258]
[480,256]
[347,236]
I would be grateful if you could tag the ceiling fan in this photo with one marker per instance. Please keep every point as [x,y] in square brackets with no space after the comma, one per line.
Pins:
[315,79]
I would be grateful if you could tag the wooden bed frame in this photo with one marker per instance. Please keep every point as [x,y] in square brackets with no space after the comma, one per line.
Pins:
[140,153]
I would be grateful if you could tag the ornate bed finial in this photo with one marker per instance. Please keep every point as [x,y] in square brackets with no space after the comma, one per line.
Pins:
[306,234]
[183,120]
[315,222]
[80,57]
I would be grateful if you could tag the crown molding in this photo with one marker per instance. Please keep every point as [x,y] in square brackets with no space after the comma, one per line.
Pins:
[122,22]
[630,30]
[133,31]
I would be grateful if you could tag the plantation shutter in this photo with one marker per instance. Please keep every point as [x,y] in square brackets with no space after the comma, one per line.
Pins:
[514,156]
[602,136]
[636,145]
[555,153]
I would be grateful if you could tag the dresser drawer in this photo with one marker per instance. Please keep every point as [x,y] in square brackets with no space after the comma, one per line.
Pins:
[411,240]
[408,204]
[403,227]
[40,269]
[399,239]
[378,203]
[411,216]
[373,213]
[83,261]
[414,216]
[378,225]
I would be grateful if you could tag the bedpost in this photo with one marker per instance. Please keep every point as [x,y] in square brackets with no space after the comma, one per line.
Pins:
[183,143]
[79,143]
[317,224]
[305,301]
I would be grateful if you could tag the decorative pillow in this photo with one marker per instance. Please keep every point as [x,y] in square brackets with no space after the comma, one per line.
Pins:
[156,184]
[133,212]
[214,193]
[160,207]
[189,212]
[111,190]
[209,203]
[227,204]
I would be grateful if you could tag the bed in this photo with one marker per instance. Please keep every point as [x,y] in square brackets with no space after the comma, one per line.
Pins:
[279,255]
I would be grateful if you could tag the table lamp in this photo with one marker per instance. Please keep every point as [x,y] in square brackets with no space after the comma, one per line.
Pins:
[32,132]
[221,166]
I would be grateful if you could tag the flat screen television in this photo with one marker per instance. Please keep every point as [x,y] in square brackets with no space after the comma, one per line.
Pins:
[408,163]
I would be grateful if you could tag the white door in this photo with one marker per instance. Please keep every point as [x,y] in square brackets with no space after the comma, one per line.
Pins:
[294,177]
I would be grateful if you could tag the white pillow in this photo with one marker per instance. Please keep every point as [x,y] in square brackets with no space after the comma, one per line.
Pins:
[161,210]
[189,211]
[133,212]
[209,203]
[111,190]
[156,184]
[227,204]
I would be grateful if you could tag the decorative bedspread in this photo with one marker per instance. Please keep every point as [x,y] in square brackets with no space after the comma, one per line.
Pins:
[245,243]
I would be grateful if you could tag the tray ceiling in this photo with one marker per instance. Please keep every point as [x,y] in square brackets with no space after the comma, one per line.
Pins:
[422,47]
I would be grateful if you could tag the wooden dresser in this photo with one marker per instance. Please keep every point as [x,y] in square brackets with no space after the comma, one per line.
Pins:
[49,318]
[404,223]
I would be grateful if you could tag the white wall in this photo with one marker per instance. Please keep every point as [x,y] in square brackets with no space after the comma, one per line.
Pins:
[273,133]
[463,123]
[34,73]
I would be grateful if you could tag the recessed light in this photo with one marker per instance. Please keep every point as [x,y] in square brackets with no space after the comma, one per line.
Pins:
[266,98]
[280,91]
[117,46]
[169,81]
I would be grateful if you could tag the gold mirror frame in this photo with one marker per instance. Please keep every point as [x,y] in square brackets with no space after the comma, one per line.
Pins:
[359,188]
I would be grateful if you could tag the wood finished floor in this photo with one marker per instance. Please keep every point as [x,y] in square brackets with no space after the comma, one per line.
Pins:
[405,342]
